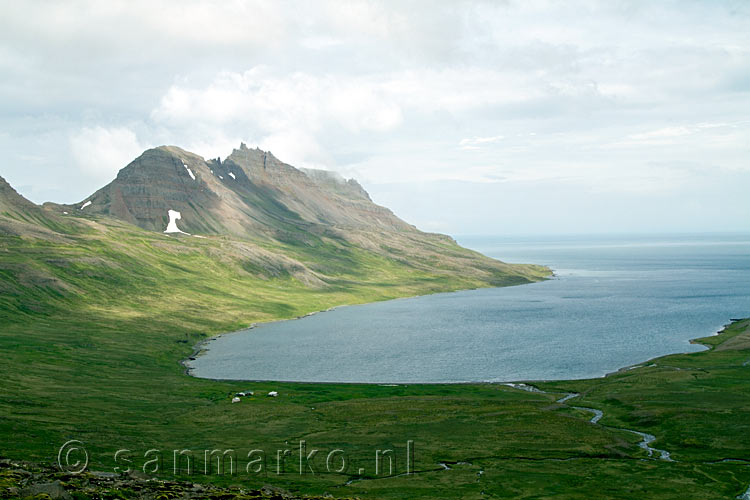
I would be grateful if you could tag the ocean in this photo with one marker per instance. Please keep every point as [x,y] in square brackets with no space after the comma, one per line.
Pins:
[615,301]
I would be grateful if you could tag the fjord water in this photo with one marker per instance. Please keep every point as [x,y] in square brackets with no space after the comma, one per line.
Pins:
[614,302]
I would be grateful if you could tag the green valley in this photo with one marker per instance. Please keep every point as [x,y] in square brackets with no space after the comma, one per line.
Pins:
[97,313]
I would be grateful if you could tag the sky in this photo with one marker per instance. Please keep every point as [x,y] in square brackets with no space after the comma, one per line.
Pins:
[463,117]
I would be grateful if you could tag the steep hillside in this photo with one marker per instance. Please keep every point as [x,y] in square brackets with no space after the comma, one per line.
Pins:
[316,216]
[61,257]
[314,195]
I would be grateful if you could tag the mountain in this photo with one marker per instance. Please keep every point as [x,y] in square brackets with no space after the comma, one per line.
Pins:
[250,236]
[250,193]
[254,196]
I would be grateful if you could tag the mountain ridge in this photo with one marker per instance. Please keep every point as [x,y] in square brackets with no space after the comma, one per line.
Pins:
[269,227]
[250,193]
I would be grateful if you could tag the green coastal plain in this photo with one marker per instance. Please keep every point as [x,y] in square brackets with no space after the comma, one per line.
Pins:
[96,316]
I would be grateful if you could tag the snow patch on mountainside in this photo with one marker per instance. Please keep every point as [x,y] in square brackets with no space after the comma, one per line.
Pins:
[174,216]
[192,176]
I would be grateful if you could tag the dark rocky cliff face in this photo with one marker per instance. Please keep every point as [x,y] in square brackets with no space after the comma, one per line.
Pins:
[150,186]
[250,193]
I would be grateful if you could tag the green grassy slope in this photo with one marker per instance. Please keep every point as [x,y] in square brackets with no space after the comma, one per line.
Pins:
[698,404]
[104,265]
[94,319]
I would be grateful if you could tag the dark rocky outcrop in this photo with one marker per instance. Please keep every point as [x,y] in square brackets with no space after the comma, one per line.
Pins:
[20,479]
[54,490]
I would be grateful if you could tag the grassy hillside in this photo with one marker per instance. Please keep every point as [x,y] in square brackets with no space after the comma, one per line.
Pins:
[96,315]
[100,265]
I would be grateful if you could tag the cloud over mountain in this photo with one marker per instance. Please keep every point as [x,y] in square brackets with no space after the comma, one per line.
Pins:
[617,97]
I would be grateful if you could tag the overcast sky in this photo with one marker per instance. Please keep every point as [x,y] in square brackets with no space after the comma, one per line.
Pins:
[463,117]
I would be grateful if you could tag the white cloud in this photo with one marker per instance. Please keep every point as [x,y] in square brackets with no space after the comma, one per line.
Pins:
[667,135]
[478,142]
[320,42]
[110,24]
[296,112]
[694,135]
[297,147]
[610,97]
[283,112]
[371,102]
[100,152]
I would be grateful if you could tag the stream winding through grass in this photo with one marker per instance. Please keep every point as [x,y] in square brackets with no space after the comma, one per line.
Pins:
[646,439]
[645,443]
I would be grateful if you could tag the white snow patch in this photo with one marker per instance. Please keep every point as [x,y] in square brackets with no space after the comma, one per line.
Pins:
[192,176]
[232,176]
[174,216]
[86,204]
[222,178]
[212,171]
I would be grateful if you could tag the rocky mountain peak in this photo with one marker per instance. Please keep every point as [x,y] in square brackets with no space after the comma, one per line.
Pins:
[250,193]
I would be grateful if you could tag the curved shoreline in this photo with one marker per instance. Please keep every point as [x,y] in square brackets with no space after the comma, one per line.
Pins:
[652,454]
[200,348]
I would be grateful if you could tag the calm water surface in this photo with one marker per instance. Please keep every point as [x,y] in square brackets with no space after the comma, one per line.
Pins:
[615,301]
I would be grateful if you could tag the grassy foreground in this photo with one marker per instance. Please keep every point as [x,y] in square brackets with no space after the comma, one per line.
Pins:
[92,355]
